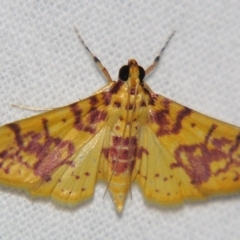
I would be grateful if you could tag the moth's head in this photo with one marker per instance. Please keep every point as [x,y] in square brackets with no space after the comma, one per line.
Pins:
[132,73]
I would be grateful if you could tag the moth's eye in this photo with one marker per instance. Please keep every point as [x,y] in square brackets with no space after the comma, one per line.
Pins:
[124,73]
[141,73]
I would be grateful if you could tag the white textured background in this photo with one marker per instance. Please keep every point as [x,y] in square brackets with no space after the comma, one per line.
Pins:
[43,64]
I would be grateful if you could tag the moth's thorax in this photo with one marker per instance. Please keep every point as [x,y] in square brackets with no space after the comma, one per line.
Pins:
[129,103]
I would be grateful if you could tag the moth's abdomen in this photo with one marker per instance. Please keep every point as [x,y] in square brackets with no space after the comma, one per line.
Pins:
[120,157]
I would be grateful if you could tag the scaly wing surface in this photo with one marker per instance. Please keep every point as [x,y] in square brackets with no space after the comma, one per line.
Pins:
[186,155]
[55,153]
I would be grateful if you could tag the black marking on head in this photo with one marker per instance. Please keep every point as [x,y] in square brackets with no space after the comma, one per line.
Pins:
[124,73]
[141,73]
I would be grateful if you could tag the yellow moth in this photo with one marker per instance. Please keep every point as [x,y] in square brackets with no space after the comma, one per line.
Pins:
[123,133]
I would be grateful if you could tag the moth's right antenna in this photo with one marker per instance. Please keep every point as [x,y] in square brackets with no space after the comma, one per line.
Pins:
[157,59]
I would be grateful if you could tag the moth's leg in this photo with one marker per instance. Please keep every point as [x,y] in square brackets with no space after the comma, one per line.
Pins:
[31,108]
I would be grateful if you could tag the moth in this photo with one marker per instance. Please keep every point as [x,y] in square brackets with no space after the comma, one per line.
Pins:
[123,133]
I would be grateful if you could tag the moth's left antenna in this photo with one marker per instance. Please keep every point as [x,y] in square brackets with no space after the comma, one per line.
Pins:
[96,60]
